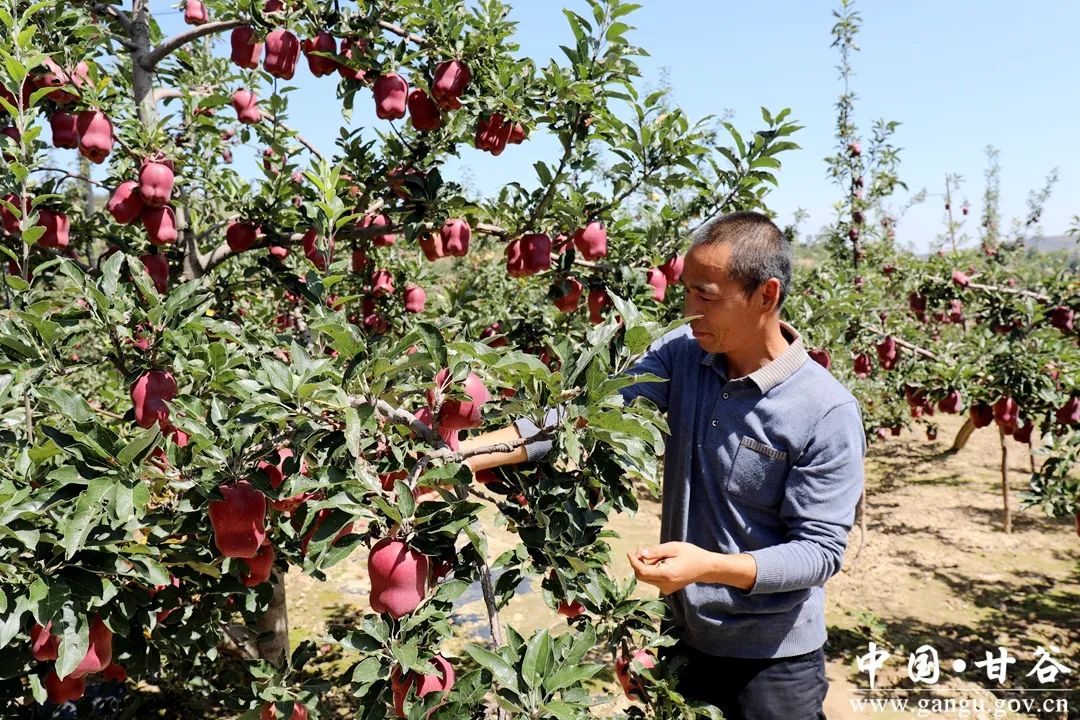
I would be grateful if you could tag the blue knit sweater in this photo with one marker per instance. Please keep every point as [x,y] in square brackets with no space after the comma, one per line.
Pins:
[770,464]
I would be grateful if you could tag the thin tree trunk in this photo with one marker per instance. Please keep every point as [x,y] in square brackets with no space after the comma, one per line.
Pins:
[962,436]
[275,624]
[1006,512]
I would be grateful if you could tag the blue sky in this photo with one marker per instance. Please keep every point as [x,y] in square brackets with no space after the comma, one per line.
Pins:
[957,75]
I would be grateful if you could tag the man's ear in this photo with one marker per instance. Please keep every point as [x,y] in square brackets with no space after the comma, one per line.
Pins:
[770,295]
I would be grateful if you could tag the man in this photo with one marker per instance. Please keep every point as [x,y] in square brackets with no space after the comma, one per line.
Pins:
[762,473]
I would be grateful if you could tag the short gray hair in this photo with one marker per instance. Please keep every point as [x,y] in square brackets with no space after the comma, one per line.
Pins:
[759,250]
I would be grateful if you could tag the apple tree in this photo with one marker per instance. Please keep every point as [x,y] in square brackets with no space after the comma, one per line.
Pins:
[211,380]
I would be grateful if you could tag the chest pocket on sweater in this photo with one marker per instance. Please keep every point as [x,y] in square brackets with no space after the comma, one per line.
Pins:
[758,473]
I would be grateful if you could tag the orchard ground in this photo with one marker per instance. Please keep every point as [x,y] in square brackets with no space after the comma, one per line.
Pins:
[935,569]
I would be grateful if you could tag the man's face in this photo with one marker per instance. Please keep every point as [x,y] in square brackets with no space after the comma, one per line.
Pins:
[728,319]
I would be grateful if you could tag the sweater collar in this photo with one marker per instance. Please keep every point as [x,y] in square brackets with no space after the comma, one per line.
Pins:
[776,371]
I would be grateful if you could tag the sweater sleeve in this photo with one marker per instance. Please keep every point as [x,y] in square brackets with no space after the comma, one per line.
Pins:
[657,360]
[818,506]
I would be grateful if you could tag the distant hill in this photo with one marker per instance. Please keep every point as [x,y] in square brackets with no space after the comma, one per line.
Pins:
[1054,243]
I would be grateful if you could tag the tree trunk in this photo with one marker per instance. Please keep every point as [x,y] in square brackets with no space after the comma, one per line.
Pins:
[273,626]
[1006,512]
[962,436]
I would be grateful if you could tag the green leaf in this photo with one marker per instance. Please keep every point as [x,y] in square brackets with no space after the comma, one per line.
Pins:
[74,642]
[75,528]
[537,661]
[568,675]
[502,670]
[134,452]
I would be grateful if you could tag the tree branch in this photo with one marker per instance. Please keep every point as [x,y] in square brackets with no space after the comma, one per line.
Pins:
[901,342]
[118,15]
[400,31]
[300,138]
[1010,291]
[399,416]
[150,60]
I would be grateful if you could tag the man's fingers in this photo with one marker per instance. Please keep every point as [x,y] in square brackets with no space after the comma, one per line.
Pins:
[658,552]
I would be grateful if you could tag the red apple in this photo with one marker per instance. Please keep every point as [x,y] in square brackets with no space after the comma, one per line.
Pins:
[1069,413]
[1023,433]
[630,684]
[953,402]
[571,294]
[321,66]
[155,183]
[492,134]
[672,269]
[56,226]
[377,221]
[382,283]
[597,300]
[64,131]
[960,278]
[536,252]
[443,682]
[116,673]
[99,653]
[240,236]
[854,149]
[493,331]
[61,691]
[95,135]
[917,304]
[239,520]
[125,204]
[160,224]
[1061,317]
[655,277]
[282,52]
[821,357]
[157,266]
[432,245]
[359,260]
[887,353]
[195,13]
[956,311]
[1006,414]
[981,414]
[449,82]
[43,644]
[461,414]
[455,235]
[862,365]
[415,299]
[398,577]
[260,566]
[591,241]
[318,257]
[149,395]
[269,711]
[246,105]
[515,259]
[352,49]
[423,112]
[570,610]
[245,52]
[391,93]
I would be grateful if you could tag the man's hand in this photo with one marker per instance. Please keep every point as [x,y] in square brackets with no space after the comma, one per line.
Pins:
[671,566]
